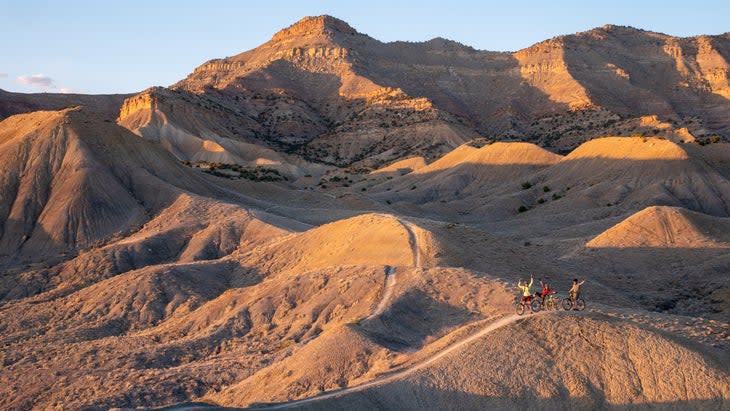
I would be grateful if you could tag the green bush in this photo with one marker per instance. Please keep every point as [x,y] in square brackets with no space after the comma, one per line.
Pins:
[522,209]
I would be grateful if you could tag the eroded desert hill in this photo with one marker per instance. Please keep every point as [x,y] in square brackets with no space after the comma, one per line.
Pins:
[17,103]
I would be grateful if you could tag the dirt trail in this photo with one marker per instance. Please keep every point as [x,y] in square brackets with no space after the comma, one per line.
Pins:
[388,378]
[390,277]
[413,241]
[387,293]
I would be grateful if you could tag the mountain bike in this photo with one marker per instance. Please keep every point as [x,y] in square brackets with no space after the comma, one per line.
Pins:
[574,304]
[521,306]
[551,302]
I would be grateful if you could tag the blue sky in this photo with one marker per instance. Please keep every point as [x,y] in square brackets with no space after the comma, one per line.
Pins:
[127,46]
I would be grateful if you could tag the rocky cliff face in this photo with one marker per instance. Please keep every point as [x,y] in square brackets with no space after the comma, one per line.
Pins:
[324,91]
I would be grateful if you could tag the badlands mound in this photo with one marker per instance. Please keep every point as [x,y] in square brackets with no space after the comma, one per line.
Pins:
[666,227]
[107,105]
[421,316]
[84,199]
[611,175]
[468,170]
[370,239]
[588,362]
[635,171]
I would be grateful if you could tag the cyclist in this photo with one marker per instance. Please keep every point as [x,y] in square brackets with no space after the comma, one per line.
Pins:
[526,292]
[575,290]
[546,290]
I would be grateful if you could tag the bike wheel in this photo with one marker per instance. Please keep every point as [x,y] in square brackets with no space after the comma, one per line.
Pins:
[580,305]
[520,308]
[567,304]
[536,305]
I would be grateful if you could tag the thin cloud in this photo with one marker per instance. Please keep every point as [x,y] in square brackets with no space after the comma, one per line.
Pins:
[36,80]
[68,90]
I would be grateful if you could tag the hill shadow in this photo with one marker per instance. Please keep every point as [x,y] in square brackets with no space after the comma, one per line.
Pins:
[408,395]
[411,320]
[679,280]
[485,88]
[478,192]
[638,91]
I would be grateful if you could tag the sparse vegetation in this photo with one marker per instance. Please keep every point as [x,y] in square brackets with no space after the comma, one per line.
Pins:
[522,209]
[526,185]
[710,140]
[236,171]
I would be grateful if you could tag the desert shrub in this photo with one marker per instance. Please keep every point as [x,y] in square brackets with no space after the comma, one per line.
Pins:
[526,185]
[546,189]
[522,209]
[540,201]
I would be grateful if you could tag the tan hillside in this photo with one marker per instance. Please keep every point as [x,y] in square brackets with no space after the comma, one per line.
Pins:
[366,239]
[73,183]
[496,154]
[636,171]
[107,105]
[402,166]
[666,227]
[71,179]
[589,362]
[629,149]
[211,135]
[429,303]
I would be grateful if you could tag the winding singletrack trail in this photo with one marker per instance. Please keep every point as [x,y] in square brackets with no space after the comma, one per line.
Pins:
[397,375]
[390,277]
[413,241]
[387,293]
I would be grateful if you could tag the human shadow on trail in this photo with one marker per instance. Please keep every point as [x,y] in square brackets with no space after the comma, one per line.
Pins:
[412,319]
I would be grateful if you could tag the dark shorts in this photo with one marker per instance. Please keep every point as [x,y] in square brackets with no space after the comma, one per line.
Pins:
[527,298]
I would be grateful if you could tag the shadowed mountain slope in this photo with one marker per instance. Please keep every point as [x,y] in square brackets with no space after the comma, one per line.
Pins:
[107,105]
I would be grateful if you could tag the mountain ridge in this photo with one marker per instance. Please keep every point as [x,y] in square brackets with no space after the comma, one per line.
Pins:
[555,93]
